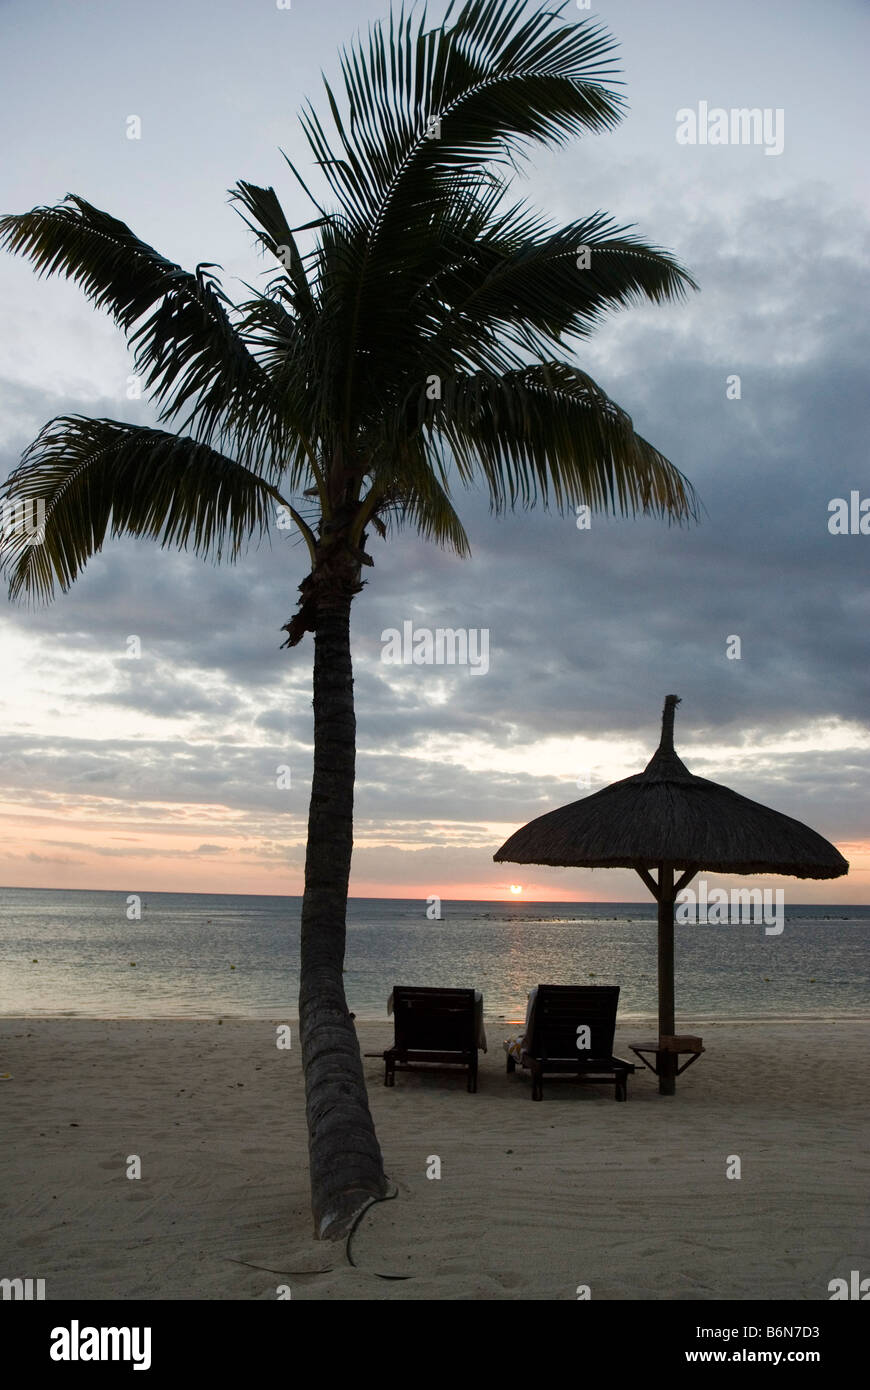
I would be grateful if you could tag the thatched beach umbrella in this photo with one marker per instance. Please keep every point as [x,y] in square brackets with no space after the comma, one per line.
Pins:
[667,820]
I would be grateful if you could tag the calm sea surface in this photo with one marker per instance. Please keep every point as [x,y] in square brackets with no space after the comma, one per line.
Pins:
[71,952]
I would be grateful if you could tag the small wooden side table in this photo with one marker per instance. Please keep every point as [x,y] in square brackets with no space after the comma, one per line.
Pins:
[680,1043]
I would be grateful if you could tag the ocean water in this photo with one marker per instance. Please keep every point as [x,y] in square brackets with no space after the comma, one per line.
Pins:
[72,953]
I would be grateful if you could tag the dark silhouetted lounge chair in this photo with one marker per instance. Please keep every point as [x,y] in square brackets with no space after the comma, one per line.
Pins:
[435,1027]
[569,1030]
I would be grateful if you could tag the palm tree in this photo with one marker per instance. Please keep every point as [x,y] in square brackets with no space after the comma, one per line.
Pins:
[410,339]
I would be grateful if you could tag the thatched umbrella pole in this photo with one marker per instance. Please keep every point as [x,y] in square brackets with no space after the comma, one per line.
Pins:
[667,1074]
[665,893]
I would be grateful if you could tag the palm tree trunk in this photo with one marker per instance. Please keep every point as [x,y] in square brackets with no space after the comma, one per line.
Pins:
[345,1157]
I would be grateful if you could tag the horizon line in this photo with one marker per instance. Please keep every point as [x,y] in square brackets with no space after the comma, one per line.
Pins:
[366,897]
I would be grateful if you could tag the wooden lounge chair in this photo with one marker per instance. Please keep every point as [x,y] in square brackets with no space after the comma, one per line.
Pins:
[435,1026]
[553,1033]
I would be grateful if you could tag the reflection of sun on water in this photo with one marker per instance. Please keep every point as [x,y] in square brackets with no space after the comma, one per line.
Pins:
[516,888]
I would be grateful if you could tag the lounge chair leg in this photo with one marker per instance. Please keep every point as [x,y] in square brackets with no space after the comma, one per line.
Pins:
[511,1064]
[537,1084]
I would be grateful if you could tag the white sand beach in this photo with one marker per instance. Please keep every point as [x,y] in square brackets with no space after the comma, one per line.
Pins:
[533,1201]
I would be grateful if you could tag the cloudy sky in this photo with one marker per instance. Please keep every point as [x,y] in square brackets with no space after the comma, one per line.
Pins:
[160,772]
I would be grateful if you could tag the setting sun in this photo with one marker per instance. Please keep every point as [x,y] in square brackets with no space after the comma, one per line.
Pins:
[516,888]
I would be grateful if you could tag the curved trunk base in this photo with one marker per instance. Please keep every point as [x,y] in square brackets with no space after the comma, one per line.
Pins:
[345,1158]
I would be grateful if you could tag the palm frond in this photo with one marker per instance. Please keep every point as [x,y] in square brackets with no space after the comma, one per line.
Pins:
[273,231]
[188,352]
[411,492]
[422,102]
[105,477]
[549,432]
[534,289]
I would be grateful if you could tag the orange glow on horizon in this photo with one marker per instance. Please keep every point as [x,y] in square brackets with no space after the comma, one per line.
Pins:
[66,842]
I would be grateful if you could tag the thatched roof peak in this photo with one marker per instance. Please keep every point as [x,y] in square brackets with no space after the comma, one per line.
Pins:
[664,765]
[666,743]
